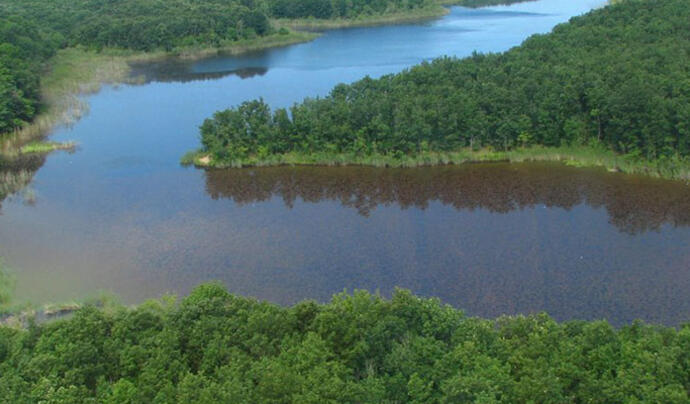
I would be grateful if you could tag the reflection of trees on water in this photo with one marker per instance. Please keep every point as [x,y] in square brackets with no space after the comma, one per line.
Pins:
[183,72]
[634,204]
[16,173]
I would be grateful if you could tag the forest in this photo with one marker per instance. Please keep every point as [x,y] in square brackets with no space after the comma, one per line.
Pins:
[616,78]
[213,346]
[31,31]
[23,50]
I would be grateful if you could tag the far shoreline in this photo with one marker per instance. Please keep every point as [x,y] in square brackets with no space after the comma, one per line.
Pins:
[77,71]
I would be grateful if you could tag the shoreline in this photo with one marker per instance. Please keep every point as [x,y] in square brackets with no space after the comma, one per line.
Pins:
[75,72]
[313,24]
[577,156]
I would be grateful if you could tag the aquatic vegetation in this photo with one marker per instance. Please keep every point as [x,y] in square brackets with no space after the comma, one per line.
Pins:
[581,156]
[393,17]
[47,147]
[6,285]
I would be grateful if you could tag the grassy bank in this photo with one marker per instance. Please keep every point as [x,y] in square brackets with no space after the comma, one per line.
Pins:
[74,72]
[20,315]
[47,147]
[580,156]
[397,17]
[313,24]
[17,314]
[481,3]
[241,46]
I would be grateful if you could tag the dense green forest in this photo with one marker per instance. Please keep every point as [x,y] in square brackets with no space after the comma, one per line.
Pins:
[616,77]
[482,3]
[152,24]
[23,50]
[216,347]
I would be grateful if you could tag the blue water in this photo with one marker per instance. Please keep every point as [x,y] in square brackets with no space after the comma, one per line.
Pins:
[120,214]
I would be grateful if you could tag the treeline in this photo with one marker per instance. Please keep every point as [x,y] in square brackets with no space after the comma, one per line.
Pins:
[216,347]
[152,24]
[483,3]
[327,9]
[24,48]
[145,24]
[617,76]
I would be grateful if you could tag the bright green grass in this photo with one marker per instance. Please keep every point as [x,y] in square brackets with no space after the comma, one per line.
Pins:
[46,147]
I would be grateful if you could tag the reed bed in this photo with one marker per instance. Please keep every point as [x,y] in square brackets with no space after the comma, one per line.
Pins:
[403,16]
[76,72]
[579,156]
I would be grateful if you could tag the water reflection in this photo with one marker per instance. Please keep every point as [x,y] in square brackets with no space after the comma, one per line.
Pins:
[122,215]
[182,71]
[16,173]
[634,204]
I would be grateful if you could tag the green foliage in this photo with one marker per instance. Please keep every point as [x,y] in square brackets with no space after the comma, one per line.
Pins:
[6,285]
[483,3]
[144,24]
[616,77]
[23,50]
[152,24]
[329,9]
[216,347]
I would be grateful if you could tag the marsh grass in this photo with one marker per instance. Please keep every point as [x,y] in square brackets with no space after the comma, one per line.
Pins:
[243,46]
[400,17]
[578,156]
[47,147]
[76,72]
[7,283]
[20,315]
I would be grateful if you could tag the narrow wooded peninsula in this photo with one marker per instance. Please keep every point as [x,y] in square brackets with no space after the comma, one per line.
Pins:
[608,88]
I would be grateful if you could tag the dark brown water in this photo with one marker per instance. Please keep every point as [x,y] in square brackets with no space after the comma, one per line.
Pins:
[494,238]
[120,214]
[634,204]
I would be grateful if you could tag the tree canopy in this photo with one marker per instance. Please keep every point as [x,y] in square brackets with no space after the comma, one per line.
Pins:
[24,47]
[360,348]
[617,76]
[153,24]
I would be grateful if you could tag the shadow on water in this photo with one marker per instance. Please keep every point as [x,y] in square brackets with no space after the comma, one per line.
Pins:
[634,204]
[181,71]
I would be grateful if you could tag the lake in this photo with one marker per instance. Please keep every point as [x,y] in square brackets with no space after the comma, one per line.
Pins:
[120,214]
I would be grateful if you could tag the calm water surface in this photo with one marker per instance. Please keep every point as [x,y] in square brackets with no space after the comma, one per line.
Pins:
[120,214]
